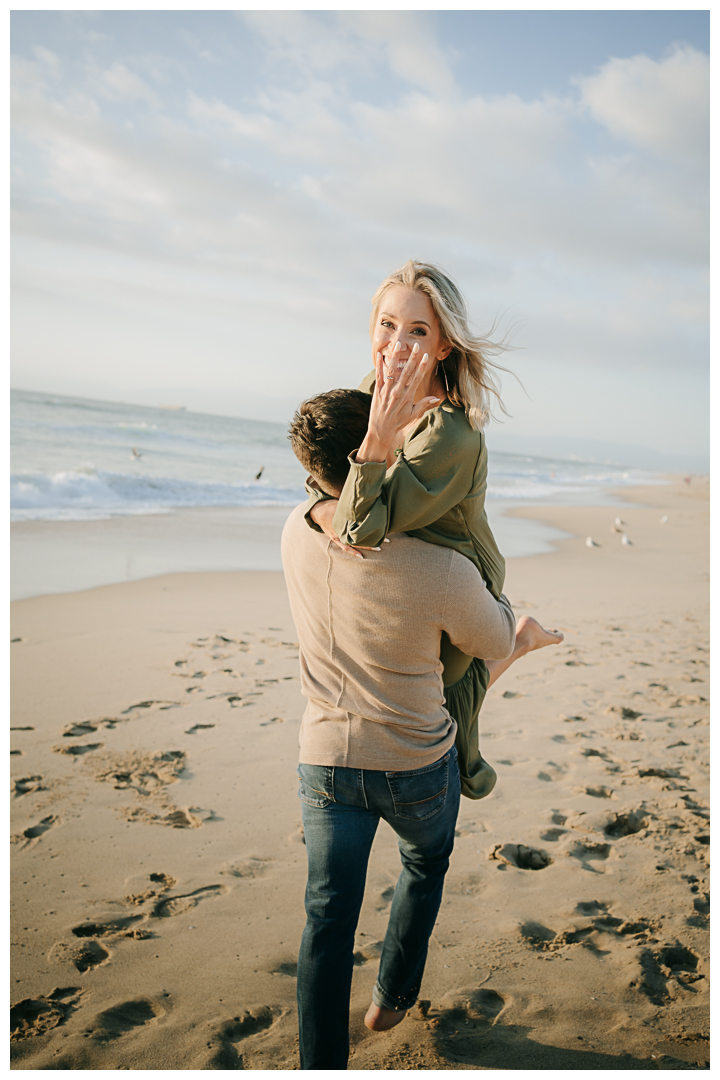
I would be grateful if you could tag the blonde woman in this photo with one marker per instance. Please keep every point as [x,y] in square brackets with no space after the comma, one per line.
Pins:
[422,468]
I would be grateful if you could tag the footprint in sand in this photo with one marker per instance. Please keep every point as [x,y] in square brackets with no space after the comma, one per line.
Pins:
[599,792]
[150,886]
[283,967]
[159,706]
[666,973]
[623,712]
[464,1014]
[634,821]
[176,818]
[128,927]
[121,1019]
[592,907]
[32,835]
[26,784]
[252,867]
[180,905]
[536,935]
[469,828]
[519,856]
[551,772]
[78,751]
[552,835]
[36,1016]
[367,949]
[84,727]
[221,1052]
[589,850]
[198,727]
[143,772]
[84,957]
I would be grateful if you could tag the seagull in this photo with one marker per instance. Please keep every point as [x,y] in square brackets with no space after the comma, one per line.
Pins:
[625,539]
[619,522]
[615,528]
[258,475]
[592,543]
[663,519]
[136,455]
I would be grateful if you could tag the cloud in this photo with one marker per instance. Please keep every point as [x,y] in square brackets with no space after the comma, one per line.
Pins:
[120,84]
[659,105]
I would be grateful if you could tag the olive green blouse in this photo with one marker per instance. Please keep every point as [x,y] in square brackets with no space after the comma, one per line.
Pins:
[435,490]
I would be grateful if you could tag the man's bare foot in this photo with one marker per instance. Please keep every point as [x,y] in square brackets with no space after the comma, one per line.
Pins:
[530,635]
[378,1019]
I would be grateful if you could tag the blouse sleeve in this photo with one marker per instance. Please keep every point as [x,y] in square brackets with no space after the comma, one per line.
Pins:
[434,473]
[313,493]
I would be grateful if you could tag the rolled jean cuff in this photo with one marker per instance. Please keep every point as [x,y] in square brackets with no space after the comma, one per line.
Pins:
[383,1000]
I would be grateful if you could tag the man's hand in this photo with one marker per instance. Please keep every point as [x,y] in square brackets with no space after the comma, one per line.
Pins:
[322,514]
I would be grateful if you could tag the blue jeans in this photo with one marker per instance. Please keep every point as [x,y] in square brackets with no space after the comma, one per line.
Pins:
[341,809]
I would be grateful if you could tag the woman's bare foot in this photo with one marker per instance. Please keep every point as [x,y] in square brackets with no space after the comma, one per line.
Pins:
[378,1019]
[529,635]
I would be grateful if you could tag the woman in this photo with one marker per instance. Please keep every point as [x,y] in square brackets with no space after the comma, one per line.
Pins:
[422,468]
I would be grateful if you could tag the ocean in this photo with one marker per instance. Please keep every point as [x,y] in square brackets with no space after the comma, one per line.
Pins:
[75,460]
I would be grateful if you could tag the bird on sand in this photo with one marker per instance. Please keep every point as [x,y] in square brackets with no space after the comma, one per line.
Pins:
[615,528]
[258,475]
[136,455]
[619,522]
[625,539]
[592,543]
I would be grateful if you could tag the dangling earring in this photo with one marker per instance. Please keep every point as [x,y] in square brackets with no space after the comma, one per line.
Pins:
[447,388]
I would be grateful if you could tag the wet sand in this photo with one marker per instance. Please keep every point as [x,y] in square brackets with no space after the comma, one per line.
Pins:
[158,859]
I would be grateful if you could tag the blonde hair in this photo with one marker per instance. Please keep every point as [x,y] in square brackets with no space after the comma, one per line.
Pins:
[470,374]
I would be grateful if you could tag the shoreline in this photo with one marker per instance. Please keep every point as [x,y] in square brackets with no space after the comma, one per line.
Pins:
[57,557]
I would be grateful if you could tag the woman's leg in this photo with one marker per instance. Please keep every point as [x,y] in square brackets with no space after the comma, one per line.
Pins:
[529,636]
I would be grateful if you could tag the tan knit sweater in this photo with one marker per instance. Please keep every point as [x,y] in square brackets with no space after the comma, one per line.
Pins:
[369,634]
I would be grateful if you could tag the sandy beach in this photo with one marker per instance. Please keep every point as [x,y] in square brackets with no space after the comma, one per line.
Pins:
[158,857]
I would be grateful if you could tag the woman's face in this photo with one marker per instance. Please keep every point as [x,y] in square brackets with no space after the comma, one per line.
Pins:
[407,317]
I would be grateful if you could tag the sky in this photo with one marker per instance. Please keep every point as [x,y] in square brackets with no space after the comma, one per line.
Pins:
[205,202]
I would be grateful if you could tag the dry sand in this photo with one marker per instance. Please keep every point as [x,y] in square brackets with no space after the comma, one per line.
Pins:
[158,856]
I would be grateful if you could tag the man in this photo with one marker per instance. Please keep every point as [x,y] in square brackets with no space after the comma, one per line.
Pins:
[375,740]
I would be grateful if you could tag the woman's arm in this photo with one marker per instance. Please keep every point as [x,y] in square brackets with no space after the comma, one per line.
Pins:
[316,497]
[434,473]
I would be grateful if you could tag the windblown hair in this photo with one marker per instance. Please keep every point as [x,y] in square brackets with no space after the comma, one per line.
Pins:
[325,429]
[470,373]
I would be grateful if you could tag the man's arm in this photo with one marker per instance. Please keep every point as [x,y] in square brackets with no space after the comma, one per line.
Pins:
[477,623]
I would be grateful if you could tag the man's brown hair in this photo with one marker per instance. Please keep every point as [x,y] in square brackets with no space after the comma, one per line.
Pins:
[325,429]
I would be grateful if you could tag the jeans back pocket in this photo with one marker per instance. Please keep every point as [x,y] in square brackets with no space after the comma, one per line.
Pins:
[316,784]
[420,793]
